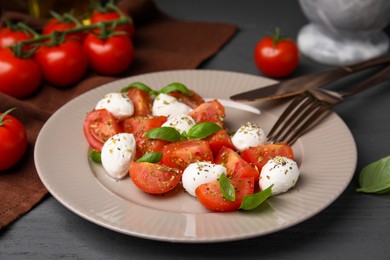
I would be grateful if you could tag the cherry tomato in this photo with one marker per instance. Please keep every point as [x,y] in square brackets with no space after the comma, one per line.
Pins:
[154,178]
[276,56]
[181,154]
[99,126]
[19,77]
[9,36]
[106,16]
[236,166]
[218,140]
[64,64]
[139,126]
[57,25]
[210,195]
[13,140]
[109,56]
[260,155]
[141,100]
[212,111]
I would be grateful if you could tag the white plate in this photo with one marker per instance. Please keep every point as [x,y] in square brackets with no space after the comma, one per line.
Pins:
[326,155]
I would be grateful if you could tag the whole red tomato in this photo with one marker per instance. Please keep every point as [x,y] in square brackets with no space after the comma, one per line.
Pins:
[13,140]
[9,36]
[276,56]
[105,16]
[19,77]
[58,25]
[63,64]
[109,56]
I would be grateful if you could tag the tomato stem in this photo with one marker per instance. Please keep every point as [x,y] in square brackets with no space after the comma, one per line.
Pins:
[57,37]
[277,37]
[2,121]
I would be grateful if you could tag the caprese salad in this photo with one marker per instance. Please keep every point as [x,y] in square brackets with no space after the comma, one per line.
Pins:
[161,139]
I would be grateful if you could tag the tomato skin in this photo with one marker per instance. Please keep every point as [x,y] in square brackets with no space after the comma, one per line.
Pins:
[154,178]
[139,126]
[13,142]
[276,60]
[236,166]
[260,155]
[218,140]
[181,154]
[8,37]
[55,25]
[19,77]
[99,125]
[110,56]
[210,195]
[64,64]
[193,100]
[98,16]
[141,101]
[212,111]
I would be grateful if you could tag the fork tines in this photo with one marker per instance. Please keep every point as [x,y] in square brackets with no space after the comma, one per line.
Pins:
[300,116]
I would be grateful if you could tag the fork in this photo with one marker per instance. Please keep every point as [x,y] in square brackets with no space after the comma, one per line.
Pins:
[309,108]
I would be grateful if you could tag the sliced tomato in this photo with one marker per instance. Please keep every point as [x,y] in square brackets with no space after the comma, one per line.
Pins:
[219,140]
[236,166]
[99,126]
[154,178]
[210,195]
[212,111]
[139,126]
[193,100]
[181,154]
[141,100]
[260,155]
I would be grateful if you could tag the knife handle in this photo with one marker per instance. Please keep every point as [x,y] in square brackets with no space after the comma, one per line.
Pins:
[383,59]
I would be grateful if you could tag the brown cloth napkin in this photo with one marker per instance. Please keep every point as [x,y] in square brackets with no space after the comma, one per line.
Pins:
[161,42]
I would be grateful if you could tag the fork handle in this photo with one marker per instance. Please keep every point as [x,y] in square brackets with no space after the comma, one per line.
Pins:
[377,78]
[368,63]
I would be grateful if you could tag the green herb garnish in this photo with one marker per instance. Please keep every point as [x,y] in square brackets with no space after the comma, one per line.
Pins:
[254,200]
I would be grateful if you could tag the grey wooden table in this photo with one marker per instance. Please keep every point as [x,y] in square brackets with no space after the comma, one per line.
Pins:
[355,226]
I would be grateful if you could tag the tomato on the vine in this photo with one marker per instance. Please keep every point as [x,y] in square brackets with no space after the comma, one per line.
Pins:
[9,36]
[63,64]
[19,77]
[56,24]
[110,56]
[106,16]
[276,56]
[13,140]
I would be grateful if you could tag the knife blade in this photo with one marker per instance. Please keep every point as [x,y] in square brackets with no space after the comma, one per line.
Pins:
[295,86]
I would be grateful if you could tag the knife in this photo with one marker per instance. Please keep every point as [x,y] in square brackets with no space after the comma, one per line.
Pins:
[300,84]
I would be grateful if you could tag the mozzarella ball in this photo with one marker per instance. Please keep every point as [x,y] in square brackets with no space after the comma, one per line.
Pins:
[199,173]
[280,171]
[117,154]
[166,105]
[248,135]
[180,122]
[119,105]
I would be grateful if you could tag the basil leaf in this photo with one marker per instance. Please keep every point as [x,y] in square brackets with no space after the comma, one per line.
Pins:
[166,133]
[139,85]
[153,157]
[202,130]
[227,188]
[375,177]
[95,156]
[176,86]
[254,200]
